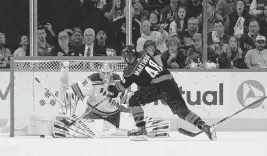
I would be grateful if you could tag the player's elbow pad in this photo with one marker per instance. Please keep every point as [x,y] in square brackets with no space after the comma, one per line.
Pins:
[113,90]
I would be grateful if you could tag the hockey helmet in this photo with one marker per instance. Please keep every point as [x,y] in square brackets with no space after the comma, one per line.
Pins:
[129,54]
[106,71]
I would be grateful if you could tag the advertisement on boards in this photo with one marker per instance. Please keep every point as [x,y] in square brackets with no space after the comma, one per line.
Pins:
[5,88]
[247,88]
[219,94]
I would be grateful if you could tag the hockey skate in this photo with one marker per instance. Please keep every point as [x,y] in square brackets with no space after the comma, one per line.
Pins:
[139,134]
[210,131]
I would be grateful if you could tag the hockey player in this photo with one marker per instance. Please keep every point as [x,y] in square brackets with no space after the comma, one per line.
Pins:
[155,83]
[87,93]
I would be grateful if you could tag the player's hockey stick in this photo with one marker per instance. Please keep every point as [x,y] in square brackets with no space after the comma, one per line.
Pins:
[192,134]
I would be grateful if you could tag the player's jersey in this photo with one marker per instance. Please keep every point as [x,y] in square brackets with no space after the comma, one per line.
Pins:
[99,92]
[143,72]
[91,91]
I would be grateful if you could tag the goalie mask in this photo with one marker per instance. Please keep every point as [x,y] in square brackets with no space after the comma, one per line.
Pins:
[106,72]
[129,54]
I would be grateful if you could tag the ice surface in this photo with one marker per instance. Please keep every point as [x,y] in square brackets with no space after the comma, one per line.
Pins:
[228,144]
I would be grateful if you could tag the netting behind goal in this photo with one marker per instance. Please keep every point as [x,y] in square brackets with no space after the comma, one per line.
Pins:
[32,103]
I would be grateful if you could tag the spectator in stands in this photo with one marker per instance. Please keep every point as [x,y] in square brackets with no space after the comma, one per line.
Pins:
[257,58]
[248,40]
[77,37]
[150,48]
[194,8]
[218,35]
[225,7]
[175,57]
[140,14]
[120,31]
[113,9]
[5,53]
[101,41]
[89,48]
[63,48]
[167,13]
[237,55]
[70,34]
[23,50]
[237,22]
[44,48]
[263,22]
[212,16]
[178,26]
[101,38]
[195,54]
[157,36]
[51,37]
[220,54]
[187,36]
[153,19]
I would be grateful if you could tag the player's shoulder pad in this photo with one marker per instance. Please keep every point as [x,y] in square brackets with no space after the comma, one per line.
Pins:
[129,70]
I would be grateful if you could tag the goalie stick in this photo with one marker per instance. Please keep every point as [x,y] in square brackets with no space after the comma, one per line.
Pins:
[192,134]
[88,111]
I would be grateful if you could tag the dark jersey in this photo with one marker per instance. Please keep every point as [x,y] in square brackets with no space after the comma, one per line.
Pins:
[141,72]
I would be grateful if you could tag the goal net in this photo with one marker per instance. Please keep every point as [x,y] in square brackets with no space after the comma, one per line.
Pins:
[33,107]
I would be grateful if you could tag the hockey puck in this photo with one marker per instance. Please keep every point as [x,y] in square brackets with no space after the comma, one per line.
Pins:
[42,136]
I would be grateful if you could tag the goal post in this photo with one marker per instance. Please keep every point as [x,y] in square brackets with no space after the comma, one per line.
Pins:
[29,100]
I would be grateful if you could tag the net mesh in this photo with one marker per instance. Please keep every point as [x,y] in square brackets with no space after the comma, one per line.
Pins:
[34,107]
[75,65]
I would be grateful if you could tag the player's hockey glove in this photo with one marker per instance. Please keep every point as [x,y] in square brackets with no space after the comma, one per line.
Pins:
[112,91]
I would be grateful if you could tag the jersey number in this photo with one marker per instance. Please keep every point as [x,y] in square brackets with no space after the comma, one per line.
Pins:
[154,70]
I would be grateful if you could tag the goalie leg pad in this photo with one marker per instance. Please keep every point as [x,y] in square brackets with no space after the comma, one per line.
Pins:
[157,128]
[61,128]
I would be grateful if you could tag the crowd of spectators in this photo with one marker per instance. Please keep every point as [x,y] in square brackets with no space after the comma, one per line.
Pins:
[172,30]
[14,29]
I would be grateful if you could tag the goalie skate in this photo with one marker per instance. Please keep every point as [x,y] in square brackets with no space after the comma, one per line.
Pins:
[139,134]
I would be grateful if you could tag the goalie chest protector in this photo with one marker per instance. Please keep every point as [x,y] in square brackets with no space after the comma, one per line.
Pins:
[99,92]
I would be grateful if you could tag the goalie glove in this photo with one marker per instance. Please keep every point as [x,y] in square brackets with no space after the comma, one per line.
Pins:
[112,91]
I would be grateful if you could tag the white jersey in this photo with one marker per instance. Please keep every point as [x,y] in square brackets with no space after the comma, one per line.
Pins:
[99,92]
[90,92]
